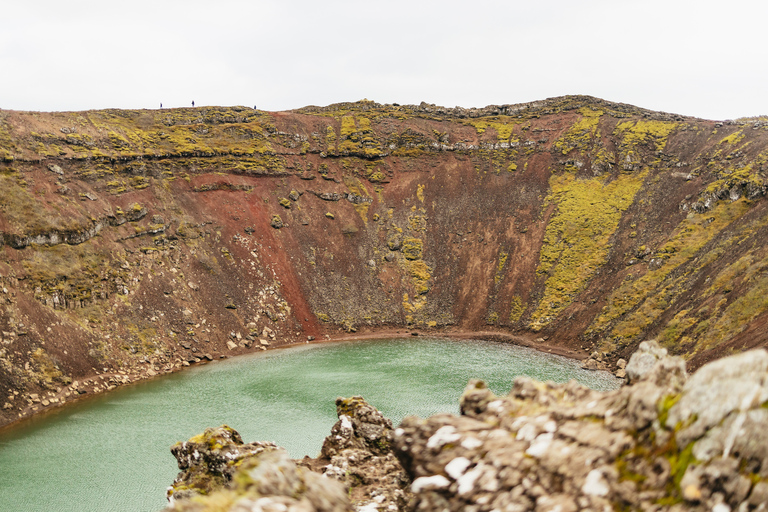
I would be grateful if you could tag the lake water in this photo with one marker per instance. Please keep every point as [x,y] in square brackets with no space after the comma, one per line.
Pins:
[111,452]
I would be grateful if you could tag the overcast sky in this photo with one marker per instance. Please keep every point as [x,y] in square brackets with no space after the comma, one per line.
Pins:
[700,58]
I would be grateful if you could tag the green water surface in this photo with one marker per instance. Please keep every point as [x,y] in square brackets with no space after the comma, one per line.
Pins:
[111,452]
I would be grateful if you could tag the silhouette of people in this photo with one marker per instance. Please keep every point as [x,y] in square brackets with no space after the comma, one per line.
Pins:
[193,103]
[161,105]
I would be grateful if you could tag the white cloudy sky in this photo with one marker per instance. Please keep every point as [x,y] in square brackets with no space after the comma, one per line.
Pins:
[701,58]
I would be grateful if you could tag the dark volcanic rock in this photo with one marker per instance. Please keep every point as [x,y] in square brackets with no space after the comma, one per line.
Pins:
[358,453]
[276,222]
[360,427]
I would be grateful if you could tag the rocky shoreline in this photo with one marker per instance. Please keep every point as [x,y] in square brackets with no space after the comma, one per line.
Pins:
[664,441]
[105,380]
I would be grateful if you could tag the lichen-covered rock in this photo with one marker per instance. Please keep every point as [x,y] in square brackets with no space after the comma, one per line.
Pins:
[358,453]
[719,389]
[209,460]
[221,473]
[651,361]
[360,427]
[660,443]
[270,481]
[276,222]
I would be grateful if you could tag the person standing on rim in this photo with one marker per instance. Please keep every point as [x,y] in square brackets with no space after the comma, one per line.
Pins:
[193,103]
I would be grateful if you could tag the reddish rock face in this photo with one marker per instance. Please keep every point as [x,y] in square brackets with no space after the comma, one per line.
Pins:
[137,242]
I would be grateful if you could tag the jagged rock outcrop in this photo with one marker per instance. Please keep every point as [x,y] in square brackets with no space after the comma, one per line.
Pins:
[662,442]
[209,460]
[358,453]
[356,461]
[219,471]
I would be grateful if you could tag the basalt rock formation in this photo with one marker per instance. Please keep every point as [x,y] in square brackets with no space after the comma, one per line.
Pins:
[662,442]
[136,242]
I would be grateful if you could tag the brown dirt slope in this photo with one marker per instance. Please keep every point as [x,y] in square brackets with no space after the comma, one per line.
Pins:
[136,242]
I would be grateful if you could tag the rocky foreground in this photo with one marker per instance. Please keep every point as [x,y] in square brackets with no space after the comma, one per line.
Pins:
[664,441]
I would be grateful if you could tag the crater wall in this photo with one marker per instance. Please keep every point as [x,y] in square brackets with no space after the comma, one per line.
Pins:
[137,242]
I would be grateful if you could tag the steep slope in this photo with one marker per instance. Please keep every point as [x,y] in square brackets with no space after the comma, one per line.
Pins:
[135,242]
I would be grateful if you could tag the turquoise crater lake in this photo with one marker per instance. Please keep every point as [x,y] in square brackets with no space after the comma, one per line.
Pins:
[111,452]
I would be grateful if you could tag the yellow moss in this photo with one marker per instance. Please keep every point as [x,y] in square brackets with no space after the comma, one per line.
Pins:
[726,280]
[733,138]
[139,182]
[357,187]
[420,274]
[582,133]
[744,177]
[408,152]
[674,329]
[503,125]
[377,177]
[516,308]
[737,315]
[357,138]
[632,133]
[118,142]
[420,193]
[647,295]
[411,307]
[417,223]
[576,241]
[412,248]
[500,267]
[348,130]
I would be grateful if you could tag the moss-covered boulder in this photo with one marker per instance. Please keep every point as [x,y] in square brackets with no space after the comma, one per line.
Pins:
[221,473]
[209,460]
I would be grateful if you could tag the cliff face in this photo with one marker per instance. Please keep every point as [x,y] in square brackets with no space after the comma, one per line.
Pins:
[134,242]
